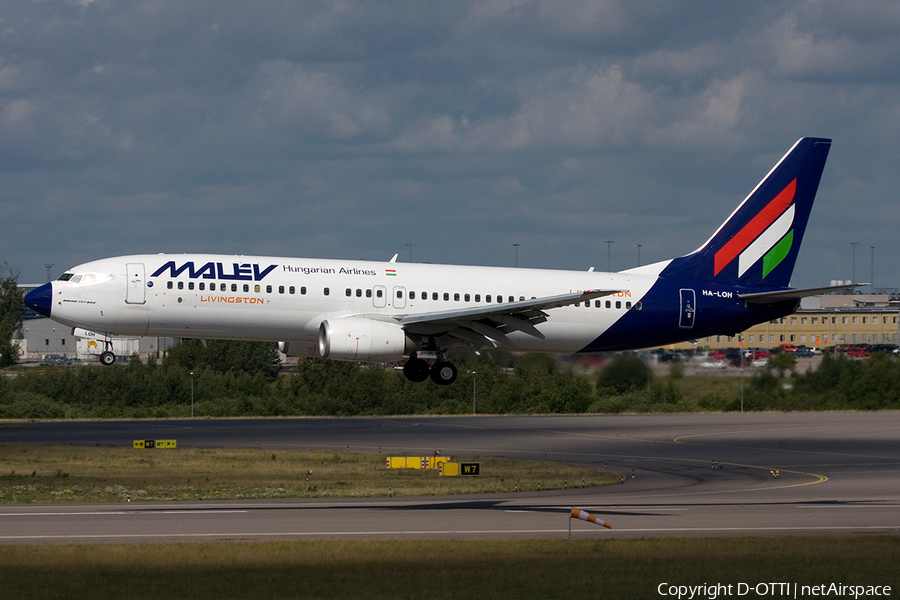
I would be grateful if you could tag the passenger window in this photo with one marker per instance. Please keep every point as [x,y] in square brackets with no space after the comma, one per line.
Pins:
[499,298]
[608,304]
[618,304]
[512,298]
[246,287]
[256,288]
[280,289]
[478,298]
[169,284]
[399,294]
[412,296]
[303,290]
[233,287]
[597,304]
[268,289]
[639,306]
[190,285]
[292,290]
[327,291]
[358,293]
[202,286]
[466,297]
[348,292]
[487,298]
[628,305]
[434,295]
[368,293]
[424,295]
[180,285]
[446,296]
[379,293]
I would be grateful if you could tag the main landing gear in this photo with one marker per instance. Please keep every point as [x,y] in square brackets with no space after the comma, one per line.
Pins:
[418,370]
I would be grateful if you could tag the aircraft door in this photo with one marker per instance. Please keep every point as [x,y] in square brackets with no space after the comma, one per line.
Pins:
[688,309]
[399,300]
[380,298]
[136,288]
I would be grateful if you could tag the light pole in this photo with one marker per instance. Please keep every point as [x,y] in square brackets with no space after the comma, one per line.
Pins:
[853,254]
[872,278]
[410,251]
[516,246]
[473,391]
[639,254]
[49,266]
[609,244]
[192,394]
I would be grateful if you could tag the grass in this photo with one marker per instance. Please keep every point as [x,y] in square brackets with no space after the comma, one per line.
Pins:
[51,474]
[442,569]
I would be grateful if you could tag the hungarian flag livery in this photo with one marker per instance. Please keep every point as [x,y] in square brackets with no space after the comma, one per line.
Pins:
[768,235]
[757,246]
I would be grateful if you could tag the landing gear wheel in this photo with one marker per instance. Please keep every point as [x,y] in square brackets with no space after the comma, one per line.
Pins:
[107,358]
[416,369]
[443,373]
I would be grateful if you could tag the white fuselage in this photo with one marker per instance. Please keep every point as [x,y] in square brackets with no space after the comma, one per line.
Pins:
[286,299]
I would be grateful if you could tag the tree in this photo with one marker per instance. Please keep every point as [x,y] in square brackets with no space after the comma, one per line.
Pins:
[10,313]
[625,372]
[782,362]
[226,356]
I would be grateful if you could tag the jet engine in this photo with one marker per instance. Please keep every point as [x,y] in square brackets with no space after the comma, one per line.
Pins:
[356,338]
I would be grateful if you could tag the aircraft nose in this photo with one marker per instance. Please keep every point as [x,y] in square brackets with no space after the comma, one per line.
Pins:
[40,299]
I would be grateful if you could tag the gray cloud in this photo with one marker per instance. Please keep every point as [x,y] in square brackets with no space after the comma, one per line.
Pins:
[351,129]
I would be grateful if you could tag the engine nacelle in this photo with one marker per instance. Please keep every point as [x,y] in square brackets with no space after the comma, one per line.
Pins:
[356,338]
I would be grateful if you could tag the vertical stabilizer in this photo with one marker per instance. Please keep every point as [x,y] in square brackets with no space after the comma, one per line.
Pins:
[758,245]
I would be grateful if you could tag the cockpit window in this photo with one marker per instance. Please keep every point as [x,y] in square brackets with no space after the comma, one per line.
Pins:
[65,277]
[81,278]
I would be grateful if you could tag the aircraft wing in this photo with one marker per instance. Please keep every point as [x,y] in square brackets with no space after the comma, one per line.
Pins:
[489,325]
[785,295]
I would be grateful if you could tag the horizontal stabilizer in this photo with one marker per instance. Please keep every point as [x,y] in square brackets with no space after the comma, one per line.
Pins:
[785,295]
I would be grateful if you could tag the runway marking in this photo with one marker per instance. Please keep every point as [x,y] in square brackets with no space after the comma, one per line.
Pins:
[246,534]
[123,512]
[831,506]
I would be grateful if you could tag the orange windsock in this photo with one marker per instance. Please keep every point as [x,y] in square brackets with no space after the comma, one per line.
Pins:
[577,513]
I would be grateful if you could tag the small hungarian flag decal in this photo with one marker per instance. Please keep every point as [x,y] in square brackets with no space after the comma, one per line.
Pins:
[390,272]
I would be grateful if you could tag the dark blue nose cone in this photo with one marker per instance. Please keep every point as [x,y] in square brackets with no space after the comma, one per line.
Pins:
[40,299]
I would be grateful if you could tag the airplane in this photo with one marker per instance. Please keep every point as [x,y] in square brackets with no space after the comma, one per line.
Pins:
[382,311]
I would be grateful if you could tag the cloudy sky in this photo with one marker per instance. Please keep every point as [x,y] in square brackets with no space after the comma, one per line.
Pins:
[351,129]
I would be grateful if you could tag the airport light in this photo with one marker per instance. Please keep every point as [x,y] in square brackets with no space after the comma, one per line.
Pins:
[192,394]
[473,391]
[516,246]
[609,244]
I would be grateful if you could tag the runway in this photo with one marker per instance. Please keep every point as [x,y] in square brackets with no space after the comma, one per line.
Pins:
[839,474]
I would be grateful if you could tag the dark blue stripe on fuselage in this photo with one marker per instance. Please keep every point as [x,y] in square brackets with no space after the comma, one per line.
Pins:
[718,311]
